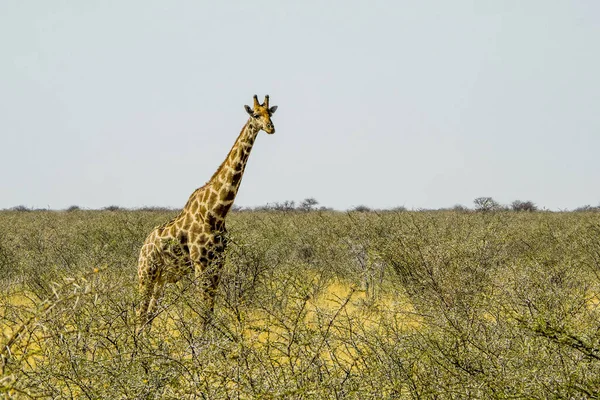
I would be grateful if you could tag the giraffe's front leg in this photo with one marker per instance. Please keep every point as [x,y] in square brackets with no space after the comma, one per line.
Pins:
[146,290]
[207,269]
[150,289]
[142,312]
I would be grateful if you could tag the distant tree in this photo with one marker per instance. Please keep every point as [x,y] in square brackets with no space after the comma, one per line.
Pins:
[519,205]
[235,208]
[486,204]
[399,209]
[73,208]
[112,208]
[460,208]
[21,208]
[308,204]
[361,208]
[287,205]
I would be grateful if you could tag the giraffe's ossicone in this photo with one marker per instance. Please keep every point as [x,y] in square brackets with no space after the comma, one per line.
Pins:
[195,240]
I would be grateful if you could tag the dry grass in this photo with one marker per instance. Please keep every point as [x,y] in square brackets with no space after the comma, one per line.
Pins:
[312,305]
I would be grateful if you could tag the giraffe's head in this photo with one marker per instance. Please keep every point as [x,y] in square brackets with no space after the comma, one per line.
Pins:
[260,115]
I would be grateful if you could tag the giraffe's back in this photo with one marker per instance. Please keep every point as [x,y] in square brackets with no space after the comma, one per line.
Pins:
[164,255]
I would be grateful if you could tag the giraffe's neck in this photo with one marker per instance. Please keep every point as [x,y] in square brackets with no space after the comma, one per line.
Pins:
[226,180]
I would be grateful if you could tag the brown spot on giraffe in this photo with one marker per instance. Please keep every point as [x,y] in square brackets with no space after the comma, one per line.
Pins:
[203,210]
[195,240]
[187,223]
[212,200]
[227,196]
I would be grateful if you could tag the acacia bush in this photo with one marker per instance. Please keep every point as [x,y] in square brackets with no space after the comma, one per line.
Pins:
[519,205]
[440,304]
[308,204]
[361,208]
[486,204]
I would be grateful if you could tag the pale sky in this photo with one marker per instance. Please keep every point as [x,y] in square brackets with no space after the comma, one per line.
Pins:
[422,104]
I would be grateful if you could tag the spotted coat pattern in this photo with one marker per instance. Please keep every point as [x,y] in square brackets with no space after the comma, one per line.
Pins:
[195,240]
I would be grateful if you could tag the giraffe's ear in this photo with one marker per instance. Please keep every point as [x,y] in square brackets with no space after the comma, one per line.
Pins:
[249,110]
[272,110]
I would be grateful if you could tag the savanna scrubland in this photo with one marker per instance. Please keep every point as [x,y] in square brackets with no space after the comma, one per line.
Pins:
[319,304]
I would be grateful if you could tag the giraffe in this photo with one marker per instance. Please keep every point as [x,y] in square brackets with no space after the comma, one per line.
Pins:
[195,240]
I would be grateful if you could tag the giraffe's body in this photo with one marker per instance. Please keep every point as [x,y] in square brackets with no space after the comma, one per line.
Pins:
[196,239]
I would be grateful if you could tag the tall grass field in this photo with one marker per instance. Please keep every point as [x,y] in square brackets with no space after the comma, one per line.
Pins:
[312,305]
